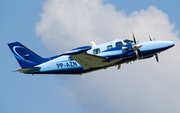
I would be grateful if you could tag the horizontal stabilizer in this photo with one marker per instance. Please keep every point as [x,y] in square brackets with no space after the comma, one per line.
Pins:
[29,70]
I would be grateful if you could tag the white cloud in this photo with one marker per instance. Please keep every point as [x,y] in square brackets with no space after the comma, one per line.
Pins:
[143,86]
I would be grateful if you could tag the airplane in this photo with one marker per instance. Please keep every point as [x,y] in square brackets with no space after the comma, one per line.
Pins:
[88,58]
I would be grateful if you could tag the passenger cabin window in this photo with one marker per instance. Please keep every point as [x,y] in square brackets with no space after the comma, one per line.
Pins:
[96,51]
[128,41]
[109,46]
[119,44]
[70,58]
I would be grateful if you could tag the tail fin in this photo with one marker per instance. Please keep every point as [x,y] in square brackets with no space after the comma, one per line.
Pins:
[25,57]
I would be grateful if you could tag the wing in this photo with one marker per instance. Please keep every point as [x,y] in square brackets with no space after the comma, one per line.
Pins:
[88,61]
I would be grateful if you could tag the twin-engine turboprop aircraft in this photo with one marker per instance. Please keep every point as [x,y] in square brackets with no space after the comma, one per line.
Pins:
[87,58]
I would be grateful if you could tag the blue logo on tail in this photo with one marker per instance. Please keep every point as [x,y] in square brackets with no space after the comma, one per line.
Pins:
[25,57]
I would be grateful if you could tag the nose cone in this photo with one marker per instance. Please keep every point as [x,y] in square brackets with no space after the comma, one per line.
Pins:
[156,46]
[163,45]
[169,43]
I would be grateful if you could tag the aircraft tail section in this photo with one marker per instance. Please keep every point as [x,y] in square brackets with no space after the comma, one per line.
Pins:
[25,57]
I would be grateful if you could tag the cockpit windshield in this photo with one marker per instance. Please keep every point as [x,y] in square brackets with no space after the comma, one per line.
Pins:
[128,41]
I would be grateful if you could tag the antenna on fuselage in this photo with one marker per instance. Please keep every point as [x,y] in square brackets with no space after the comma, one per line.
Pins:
[93,43]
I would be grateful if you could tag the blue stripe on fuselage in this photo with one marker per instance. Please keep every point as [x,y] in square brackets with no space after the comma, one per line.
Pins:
[119,48]
[117,52]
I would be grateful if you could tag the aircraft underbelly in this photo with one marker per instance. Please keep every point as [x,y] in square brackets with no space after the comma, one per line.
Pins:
[72,67]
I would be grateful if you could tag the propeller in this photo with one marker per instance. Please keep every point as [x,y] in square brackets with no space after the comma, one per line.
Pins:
[134,38]
[136,48]
[156,55]
[156,58]
[150,38]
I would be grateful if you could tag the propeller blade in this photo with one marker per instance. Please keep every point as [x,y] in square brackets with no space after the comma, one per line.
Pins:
[134,38]
[156,58]
[140,53]
[137,55]
[150,38]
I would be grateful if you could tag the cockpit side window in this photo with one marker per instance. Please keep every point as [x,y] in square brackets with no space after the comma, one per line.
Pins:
[109,46]
[128,41]
[96,51]
[119,43]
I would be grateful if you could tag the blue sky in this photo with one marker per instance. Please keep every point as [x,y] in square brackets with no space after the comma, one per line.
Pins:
[44,93]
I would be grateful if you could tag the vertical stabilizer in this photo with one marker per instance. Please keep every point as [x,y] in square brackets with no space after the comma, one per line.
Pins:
[25,57]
